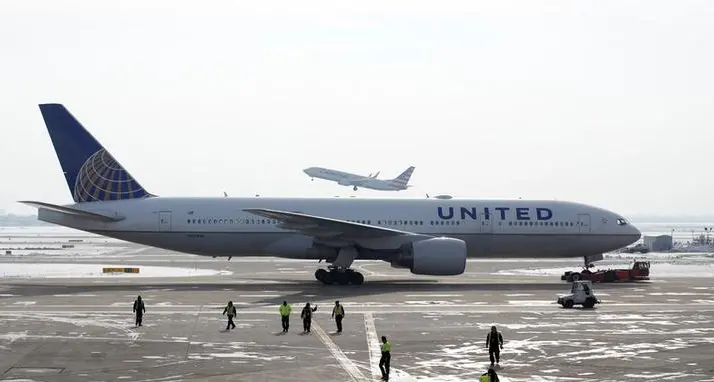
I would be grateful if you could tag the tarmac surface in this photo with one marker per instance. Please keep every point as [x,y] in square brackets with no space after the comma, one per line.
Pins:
[82,329]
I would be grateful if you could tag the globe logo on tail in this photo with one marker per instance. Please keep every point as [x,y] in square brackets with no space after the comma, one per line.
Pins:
[102,178]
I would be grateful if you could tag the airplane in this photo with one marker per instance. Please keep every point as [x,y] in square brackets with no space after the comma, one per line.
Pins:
[348,179]
[426,236]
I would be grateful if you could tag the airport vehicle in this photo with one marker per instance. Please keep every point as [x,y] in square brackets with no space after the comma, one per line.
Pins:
[427,236]
[640,248]
[581,293]
[348,179]
[640,270]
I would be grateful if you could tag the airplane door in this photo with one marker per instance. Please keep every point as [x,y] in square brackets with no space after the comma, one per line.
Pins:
[164,221]
[486,224]
[584,222]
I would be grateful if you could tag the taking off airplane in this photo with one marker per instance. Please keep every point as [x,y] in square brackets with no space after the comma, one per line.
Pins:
[347,179]
[426,236]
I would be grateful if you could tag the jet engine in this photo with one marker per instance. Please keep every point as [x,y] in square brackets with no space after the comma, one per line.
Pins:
[442,256]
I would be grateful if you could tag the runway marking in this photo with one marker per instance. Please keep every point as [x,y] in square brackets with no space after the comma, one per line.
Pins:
[372,344]
[193,330]
[339,355]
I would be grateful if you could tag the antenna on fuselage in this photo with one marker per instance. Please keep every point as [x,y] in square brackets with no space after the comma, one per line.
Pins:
[225,194]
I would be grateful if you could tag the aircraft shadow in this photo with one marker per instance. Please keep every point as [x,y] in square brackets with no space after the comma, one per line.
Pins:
[300,291]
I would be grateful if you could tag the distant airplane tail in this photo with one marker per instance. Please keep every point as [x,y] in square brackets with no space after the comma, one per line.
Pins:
[403,179]
[92,173]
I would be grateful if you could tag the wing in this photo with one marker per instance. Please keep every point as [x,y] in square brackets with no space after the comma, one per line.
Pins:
[339,231]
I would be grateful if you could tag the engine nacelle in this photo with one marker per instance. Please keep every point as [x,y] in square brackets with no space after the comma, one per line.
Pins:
[441,256]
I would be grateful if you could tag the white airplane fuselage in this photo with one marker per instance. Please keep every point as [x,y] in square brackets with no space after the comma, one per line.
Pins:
[490,228]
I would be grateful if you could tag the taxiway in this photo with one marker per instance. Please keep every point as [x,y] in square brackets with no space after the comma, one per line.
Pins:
[80,328]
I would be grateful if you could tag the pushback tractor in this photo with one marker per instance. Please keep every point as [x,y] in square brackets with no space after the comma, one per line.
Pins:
[639,271]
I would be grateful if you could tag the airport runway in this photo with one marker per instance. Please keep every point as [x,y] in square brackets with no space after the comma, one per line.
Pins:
[81,329]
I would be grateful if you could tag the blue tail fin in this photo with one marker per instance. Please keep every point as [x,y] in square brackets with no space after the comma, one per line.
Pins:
[92,173]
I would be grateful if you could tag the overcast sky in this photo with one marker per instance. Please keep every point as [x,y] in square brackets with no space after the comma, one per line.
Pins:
[609,103]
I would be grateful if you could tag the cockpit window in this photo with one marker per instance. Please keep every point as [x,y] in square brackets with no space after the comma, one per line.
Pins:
[621,221]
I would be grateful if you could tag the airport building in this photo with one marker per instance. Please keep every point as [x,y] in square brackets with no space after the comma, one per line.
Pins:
[658,243]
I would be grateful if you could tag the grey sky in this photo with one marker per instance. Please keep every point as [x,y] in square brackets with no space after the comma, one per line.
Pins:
[603,102]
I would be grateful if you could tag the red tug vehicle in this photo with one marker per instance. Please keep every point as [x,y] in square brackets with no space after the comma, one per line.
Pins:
[640,271]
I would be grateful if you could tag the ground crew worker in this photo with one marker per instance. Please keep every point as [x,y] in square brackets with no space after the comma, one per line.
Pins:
[230,310]
[306,316]
[489,376]
[493,340]
[139,309]
[285,310]
[338,312]
[386,347]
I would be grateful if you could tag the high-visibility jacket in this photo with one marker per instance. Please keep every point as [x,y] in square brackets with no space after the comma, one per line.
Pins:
[285,310]
[484,378]
[230,310]
[338,310]
[386,346]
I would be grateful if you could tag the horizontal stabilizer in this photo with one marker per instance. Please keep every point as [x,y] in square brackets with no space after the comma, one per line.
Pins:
[73,212]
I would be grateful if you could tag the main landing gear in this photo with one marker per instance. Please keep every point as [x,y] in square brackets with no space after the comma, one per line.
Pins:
[339,271]
[339,276]
[354,188]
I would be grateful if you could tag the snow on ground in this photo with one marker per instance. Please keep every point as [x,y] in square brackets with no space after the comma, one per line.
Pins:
[53,270]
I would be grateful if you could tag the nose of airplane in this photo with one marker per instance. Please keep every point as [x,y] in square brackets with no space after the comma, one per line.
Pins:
[633,234]
[636,232]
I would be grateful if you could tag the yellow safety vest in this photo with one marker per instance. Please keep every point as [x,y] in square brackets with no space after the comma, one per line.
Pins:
[338,310]
[285,310]
[484,378]
[386,346]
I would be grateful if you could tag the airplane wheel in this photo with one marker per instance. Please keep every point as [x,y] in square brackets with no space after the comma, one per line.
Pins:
[356,278]
[342,278]
[320,274]
[327,279]
[354,188]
